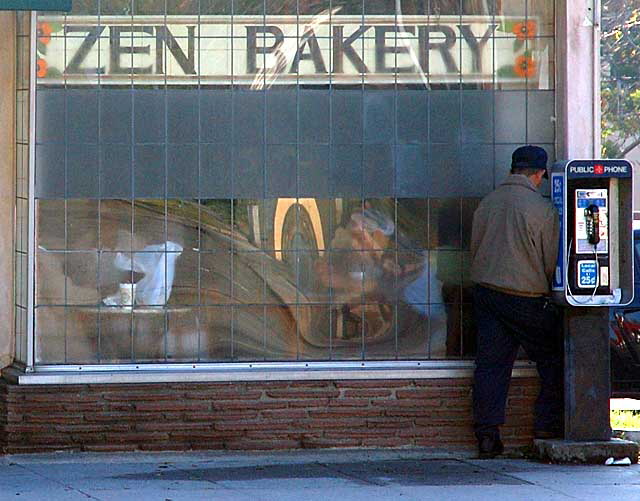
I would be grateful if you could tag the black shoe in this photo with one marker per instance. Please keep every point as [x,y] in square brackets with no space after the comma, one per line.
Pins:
[489,447]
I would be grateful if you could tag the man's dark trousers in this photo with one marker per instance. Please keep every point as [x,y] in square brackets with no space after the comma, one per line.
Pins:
[505,322]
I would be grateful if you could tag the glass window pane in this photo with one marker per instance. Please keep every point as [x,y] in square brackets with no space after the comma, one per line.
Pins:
[82,116]
[185,288]
[50,171]
[216,334]
[313,112]
[149,171]
[115,171]
[215,116]
[149,107]
[284,216]
[413,225]
[248,117]
[477,116]
[313,171]
[445,223]
[50,115]
[346,116]
[50,333]
[281,171]
[215,171]
[116,342]
[346,170]
[379,113]
[540,117]
[50,288]
[183,334]
[149,334]
[81,270]
[477,169]
[445,171]
[511,116]
[411,171]
[182,116]
[378,171]
[412,117]
[82,218]
[215,278]
[82,171]
[50,231]
[444,117]
[182,171]
[248,171]
[281,116]
[116,110]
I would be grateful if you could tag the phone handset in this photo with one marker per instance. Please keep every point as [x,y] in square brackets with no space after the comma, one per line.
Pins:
[592,222]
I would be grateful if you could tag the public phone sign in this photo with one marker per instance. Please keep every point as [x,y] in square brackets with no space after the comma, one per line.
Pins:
[599,168]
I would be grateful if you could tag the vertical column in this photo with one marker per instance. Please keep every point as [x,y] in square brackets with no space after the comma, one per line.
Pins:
[587,379]
[7,182]
[578,91]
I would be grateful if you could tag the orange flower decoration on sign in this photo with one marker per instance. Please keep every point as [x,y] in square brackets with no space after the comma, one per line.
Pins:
[44,33]
[525,30]
[525,67]
[42,68]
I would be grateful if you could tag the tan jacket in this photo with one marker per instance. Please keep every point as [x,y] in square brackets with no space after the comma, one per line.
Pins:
[514,240]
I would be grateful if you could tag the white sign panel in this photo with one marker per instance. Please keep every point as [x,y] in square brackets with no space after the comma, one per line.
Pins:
[262,52]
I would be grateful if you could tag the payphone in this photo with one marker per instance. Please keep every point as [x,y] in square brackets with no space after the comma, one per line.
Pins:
[595,255]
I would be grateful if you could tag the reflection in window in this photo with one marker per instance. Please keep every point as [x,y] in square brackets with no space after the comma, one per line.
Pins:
[229,186]
[332,278]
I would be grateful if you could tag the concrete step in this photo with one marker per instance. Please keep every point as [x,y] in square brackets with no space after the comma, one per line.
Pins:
[597,452]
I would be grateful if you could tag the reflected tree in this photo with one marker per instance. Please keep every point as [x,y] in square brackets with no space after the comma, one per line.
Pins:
[621,77]
[224,7]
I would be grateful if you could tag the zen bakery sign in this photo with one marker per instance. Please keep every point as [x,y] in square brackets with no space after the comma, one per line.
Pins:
[284,49]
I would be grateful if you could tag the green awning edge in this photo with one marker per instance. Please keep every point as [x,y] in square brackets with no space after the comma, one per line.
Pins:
[43,5]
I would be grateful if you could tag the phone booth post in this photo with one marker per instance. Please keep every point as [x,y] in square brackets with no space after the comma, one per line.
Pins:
[594,271]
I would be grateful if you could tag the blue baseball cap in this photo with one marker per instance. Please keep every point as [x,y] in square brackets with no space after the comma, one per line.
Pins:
[530,157]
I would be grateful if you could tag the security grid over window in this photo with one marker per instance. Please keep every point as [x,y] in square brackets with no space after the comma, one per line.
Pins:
[279,180]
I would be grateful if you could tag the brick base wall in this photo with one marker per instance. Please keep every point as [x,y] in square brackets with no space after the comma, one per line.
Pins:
[252,415]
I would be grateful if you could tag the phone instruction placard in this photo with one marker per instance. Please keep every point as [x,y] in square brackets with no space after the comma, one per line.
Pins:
[585,199]
[587,274]
[557,197]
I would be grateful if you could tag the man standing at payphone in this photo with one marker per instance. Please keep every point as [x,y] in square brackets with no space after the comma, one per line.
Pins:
[514,245]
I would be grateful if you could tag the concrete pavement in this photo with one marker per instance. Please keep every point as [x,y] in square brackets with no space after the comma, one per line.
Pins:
[306,475]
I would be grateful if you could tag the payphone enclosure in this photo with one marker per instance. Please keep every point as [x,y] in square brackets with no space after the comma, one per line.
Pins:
[595,255]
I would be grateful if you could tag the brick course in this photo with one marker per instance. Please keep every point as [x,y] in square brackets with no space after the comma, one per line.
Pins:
[251,415]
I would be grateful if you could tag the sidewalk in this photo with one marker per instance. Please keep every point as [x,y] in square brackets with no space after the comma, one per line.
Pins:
[409,475]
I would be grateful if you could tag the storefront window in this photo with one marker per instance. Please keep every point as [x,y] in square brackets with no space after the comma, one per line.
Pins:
[21,235]
[274,180]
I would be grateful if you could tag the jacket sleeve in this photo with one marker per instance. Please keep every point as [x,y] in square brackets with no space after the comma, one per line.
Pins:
[550,242]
